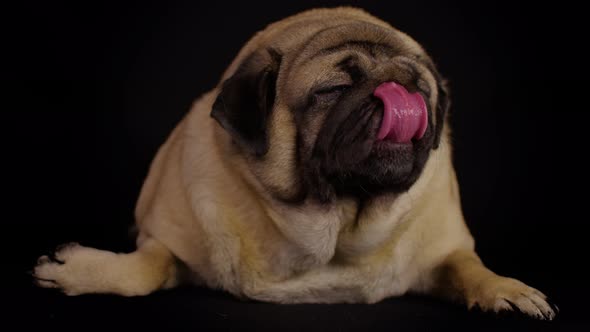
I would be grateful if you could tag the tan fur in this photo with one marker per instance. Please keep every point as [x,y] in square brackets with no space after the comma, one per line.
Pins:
[209,211]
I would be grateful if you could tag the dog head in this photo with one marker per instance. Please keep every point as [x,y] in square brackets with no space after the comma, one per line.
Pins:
[333,103]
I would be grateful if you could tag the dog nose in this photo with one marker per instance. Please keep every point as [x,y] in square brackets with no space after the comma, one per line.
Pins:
[404,114]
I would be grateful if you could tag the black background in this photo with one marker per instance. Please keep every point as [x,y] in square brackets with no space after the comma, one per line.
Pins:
[92,90]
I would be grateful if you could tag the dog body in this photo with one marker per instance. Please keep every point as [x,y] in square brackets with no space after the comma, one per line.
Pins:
[258,244]
[274,188]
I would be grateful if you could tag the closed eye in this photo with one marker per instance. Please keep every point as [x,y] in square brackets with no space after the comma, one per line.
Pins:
[328,95]
[332,90]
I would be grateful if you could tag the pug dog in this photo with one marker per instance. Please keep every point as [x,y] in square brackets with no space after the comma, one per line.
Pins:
[318,171]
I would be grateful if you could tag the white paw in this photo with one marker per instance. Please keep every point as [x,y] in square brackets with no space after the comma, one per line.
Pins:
[506,294]
[68,271]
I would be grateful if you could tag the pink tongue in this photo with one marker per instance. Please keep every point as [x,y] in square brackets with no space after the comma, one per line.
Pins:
[404,114]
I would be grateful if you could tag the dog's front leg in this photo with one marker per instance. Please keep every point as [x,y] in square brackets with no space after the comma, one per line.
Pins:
[80,270]
[327,284]
[463,277]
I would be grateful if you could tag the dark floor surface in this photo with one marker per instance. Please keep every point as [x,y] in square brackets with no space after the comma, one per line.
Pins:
[198,309]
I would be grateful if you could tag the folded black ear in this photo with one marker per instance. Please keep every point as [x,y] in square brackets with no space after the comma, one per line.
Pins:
[442,108]
[246,99]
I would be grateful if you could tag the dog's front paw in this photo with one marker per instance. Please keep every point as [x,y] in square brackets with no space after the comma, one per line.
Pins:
[500,294]
[68,270]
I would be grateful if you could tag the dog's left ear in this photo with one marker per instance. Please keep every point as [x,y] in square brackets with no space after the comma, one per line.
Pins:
[443,105]
[246,99]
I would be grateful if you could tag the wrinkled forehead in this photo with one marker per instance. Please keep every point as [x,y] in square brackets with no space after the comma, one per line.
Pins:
[328,46]
[354,34]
